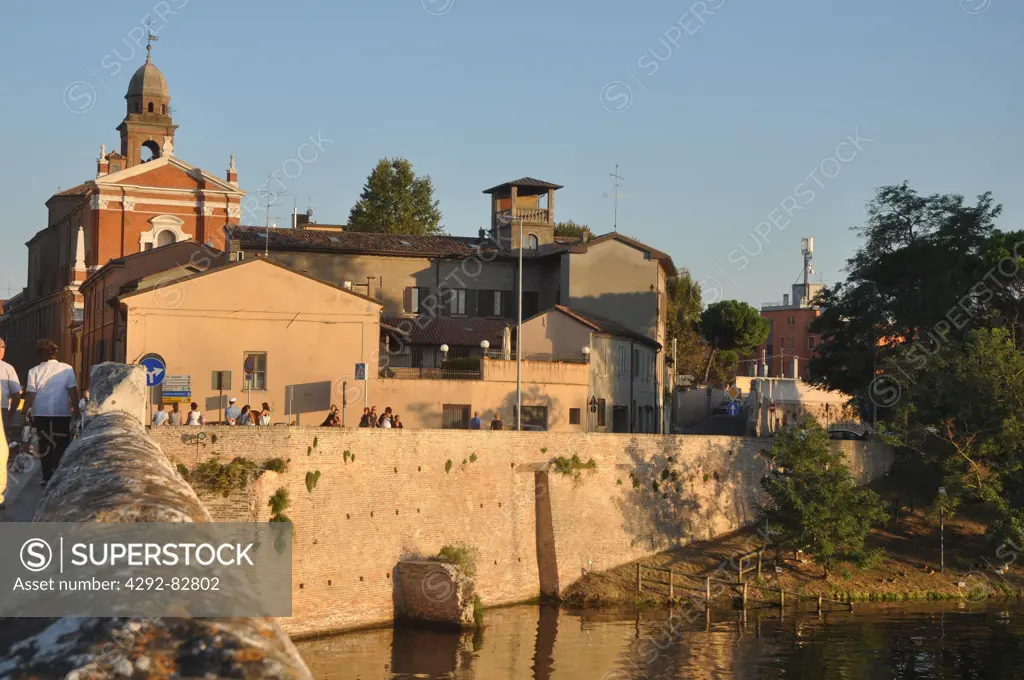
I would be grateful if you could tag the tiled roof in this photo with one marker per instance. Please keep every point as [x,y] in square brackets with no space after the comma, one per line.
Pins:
[565,240]
[359,242]
[79,190]
[605,325]
[441,330]
[524,183]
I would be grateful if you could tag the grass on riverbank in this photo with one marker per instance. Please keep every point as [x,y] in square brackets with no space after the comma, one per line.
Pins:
[909,569]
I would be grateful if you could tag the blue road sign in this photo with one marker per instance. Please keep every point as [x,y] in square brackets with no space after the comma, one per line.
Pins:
[734,408]
[156,369]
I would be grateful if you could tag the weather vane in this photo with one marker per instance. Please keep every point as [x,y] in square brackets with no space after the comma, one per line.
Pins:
[152,38]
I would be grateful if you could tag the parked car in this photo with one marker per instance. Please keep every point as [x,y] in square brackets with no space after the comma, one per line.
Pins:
[847,434]
[722,409]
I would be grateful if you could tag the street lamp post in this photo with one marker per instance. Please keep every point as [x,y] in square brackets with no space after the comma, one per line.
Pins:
[519,325]
[942,530]
[586,360]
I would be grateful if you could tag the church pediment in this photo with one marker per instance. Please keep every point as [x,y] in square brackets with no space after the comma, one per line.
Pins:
[167,172]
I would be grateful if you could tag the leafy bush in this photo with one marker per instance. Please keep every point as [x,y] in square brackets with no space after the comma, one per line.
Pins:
[276,465]
[279,502]
[573,467]
[462,555]
[215,477]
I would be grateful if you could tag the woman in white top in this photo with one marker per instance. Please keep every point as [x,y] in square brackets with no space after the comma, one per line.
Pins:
[195,416]
[52,397]
[265,414]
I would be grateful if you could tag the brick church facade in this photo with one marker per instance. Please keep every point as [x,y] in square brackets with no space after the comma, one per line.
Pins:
[141,198]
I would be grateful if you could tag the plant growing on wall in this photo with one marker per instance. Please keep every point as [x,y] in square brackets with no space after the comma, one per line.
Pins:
[278,503]
[279,465]
[347,455]
[311,479]
[462,555]
[472,458]
[448,465]
[215,477]
[573,467]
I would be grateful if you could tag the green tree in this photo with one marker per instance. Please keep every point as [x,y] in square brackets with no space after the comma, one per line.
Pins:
[813,503]
[921,256]
[960,409]
[731,326]
[395,201]
[572,229]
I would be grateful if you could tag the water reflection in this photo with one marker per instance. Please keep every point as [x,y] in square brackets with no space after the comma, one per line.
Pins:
[546,643]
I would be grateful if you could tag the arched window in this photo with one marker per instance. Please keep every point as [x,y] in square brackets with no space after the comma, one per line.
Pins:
[163,109]
[151,107]
[165,238]
[531,242]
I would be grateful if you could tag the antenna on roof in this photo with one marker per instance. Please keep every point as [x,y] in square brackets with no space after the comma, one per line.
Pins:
[616,195]
[270,197]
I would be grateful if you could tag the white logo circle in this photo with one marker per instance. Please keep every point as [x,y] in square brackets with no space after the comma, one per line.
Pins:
[616,96]
[36,554]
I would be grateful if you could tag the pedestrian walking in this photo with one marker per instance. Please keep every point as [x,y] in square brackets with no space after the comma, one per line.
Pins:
[84,401]
[374,422]
[10,394]
[496,424]
[476,423]
[398,422]
[195,416]
[160,417]
[174,417]
[385,418]
[51,396]
[333,418]
[232,412]
[364,421]
[265,414]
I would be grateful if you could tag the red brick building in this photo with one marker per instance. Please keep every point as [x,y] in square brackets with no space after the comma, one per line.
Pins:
[141,198]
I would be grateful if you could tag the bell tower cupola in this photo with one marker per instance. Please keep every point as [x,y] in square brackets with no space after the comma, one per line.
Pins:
[147,131]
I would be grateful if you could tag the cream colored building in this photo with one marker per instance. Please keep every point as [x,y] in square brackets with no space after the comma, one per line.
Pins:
[301,335]
[622,366]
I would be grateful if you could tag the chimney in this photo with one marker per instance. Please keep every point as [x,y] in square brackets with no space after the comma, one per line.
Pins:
[785,299]
[232,173]
[102,165]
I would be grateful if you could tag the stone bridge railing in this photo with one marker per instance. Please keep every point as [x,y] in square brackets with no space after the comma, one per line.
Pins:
[113,472]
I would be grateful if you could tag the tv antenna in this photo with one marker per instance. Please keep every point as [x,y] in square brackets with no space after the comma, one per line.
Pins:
[271,195]
[616,196]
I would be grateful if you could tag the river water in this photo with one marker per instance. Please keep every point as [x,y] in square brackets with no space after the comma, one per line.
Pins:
[911,642]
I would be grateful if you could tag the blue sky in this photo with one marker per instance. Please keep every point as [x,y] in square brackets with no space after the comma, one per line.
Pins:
[722,114]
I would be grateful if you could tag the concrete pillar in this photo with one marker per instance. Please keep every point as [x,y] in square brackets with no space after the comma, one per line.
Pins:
[796,368]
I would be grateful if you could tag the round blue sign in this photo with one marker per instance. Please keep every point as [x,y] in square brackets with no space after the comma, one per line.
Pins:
[156,369]
[734,408]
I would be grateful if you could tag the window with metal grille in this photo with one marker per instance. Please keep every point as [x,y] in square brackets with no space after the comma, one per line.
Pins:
[257,380]
[455,416]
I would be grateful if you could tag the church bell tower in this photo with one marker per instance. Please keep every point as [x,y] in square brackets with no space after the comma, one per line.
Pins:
[147,131]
